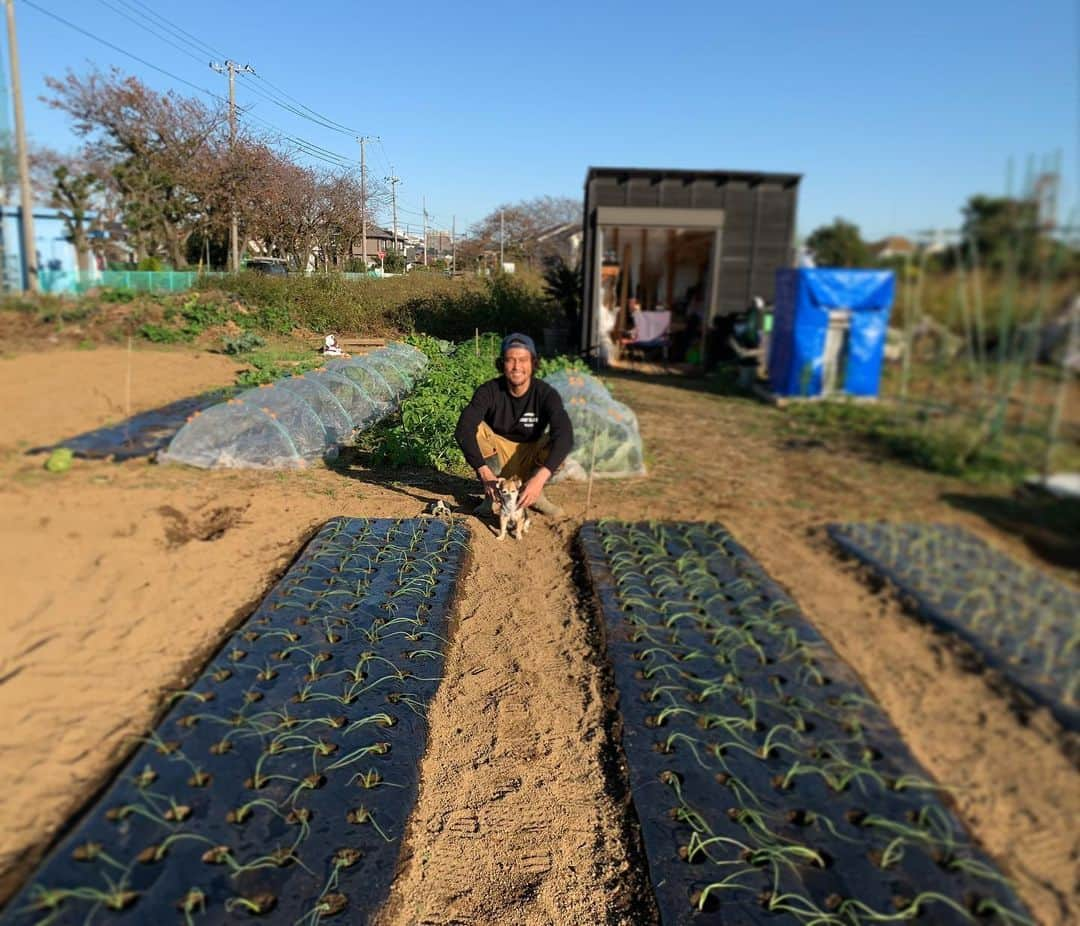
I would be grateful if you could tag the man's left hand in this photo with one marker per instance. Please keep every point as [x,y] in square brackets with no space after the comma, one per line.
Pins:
[532,489]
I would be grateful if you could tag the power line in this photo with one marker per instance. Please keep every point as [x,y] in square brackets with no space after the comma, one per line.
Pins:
[148,28]
[122,51]
[386,157]
[326,119]
[320,121]
[307,147]
[299,110]
[176,30]
[300,145]
[338,160]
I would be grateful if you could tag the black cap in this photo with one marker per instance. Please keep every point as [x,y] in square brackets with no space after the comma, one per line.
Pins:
[518,340]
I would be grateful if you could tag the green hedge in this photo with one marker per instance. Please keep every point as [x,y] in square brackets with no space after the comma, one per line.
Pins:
[444,307]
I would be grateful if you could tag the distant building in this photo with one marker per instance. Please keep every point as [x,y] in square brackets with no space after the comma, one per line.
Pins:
[563,240]
[893,246]
[56,258]
[379,239]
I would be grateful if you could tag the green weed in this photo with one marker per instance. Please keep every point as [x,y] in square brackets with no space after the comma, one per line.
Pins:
[243,343]
[950,446]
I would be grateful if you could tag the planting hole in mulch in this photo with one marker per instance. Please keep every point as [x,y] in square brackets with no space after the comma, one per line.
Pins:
[769,786]
[243,802]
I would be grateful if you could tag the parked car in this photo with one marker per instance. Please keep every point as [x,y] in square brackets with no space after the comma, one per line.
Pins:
[274,266]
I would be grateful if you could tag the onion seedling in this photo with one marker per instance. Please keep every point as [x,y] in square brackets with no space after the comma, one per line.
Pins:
[257,906]
[194,901]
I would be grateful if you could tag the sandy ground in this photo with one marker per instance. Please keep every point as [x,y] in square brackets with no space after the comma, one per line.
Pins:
[58,394]
[121,579]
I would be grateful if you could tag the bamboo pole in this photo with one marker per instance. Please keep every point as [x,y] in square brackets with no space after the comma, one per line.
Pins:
[1058,410]
[977,306]
[1031,354]
[966,320]
[909,332]
[592,469]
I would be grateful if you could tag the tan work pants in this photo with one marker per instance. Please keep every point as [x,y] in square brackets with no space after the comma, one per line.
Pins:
[521,460]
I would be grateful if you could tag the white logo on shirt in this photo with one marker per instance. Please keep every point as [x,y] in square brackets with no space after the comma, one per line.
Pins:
[528,420]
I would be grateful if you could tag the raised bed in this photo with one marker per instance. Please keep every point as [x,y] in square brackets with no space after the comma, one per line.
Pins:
[280,782]
[142,434]
[769,787]
[1021,622]
[299,420]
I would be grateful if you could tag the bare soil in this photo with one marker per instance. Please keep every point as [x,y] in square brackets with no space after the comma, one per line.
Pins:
[121,579]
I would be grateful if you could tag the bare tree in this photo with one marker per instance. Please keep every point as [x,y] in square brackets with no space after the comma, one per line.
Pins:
[157,146]
[168,164]
[72,185]
[516,226]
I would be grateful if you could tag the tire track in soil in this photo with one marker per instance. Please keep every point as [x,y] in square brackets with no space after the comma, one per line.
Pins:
[513,824]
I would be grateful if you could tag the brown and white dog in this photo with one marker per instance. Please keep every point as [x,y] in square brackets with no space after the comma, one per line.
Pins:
[511,515]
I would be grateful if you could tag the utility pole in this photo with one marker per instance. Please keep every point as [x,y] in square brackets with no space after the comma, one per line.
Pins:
[453,244]
[26,197]
[393,181]
[502,238]
[423,199]
[233,69]
[363,139]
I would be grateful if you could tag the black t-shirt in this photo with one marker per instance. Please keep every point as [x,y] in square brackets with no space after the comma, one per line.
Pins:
[522,419]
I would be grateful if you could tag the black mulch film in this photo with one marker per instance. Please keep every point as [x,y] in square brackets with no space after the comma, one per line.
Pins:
[770,788]
[1022,623]
[139,435]
[279,784]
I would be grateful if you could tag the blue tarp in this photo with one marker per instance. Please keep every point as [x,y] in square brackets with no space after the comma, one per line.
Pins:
[801,319]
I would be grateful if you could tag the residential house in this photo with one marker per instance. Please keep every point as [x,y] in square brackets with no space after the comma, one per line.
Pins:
[893,246]
[563,240]
[379,239]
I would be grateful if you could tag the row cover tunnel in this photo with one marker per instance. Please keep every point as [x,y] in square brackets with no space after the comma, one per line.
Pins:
[301,419]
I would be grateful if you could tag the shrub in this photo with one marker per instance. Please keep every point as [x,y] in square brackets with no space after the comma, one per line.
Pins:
[161,334]
[429,303]
[243,343]
[549,365]
[951,447]
[422,434]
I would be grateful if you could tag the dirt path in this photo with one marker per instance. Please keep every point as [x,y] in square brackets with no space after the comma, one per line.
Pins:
[119,579]
[513,824]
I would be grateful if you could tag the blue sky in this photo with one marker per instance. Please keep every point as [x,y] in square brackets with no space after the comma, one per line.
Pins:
[894,113]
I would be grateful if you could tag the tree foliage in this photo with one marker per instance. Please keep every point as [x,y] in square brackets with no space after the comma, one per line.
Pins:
[839,245]
[999,229]
[564,285]
[516,226]
[165,165]
[70,185]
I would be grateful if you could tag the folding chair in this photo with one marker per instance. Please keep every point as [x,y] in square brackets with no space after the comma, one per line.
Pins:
[652,331]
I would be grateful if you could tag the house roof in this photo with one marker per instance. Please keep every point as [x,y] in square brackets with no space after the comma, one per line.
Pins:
[558,231]
[656,174]
[896,243]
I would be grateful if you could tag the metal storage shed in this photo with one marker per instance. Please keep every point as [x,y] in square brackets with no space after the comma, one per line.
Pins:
[742,222]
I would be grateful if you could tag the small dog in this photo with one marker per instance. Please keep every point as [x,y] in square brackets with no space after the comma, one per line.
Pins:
[510,513]
[438,509]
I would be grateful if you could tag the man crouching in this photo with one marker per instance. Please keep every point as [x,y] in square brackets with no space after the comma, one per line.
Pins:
[502,430]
